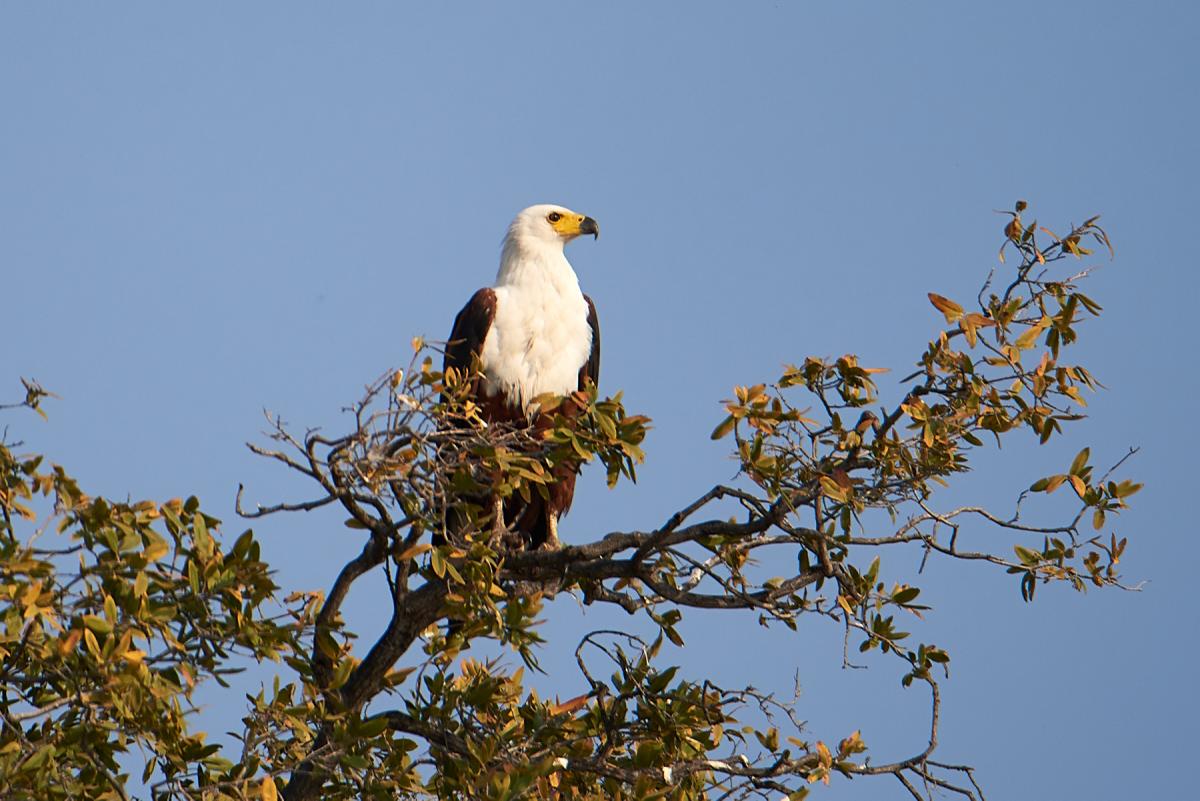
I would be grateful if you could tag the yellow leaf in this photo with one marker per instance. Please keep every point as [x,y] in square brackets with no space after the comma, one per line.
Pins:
[830,488]
[155,550]
[269,792]
[398,675]
[1026,340]
[842,602]
[414,552]
[31,594]
[968,329]
[89,640]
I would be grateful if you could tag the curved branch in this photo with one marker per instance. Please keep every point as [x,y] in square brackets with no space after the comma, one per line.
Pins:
[916,759]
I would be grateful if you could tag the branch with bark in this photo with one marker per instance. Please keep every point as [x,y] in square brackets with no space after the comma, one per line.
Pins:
[825,491]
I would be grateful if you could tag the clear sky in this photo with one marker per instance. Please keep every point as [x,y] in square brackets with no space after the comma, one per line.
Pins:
[205,211]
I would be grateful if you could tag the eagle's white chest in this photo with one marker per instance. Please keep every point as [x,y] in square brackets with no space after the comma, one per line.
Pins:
[538,340]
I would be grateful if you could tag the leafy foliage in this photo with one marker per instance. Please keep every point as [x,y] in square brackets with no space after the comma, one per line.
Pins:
[115,612]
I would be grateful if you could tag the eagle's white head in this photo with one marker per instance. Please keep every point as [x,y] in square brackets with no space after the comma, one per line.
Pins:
[533,246]
[549,225]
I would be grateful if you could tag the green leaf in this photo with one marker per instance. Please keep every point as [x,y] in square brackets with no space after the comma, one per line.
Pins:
[1027,556]
[1027,339]
[724,428]
[204,543]
[341,674]
[647,752]
[39,758]
[354,761]
[1080,462]
[156,547]
[373,727]
[326,644]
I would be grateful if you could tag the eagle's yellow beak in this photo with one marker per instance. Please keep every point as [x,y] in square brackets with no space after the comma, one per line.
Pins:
[570,226]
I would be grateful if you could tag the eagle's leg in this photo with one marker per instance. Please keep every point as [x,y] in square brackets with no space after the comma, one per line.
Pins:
[498,527]
[551,543]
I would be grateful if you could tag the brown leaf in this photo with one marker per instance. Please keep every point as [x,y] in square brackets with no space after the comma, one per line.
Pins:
[842,478]
[571,705]
[946,306]
[68,644]
[824,755]
[979,320]
[1014,230]
[851,745]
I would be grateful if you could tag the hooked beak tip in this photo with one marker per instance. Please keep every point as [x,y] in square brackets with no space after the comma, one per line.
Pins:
[590,226]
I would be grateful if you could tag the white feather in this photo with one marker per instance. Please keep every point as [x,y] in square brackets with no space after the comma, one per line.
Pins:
[539,337]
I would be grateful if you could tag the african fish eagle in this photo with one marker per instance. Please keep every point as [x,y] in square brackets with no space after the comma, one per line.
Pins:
[534,332]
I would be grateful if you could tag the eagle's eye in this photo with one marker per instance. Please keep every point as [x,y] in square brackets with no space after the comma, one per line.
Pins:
[554,217]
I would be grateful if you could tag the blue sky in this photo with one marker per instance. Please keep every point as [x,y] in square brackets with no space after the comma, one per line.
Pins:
[209,212]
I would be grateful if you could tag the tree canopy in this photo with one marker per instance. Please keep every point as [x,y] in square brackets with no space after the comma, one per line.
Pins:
[115,612]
